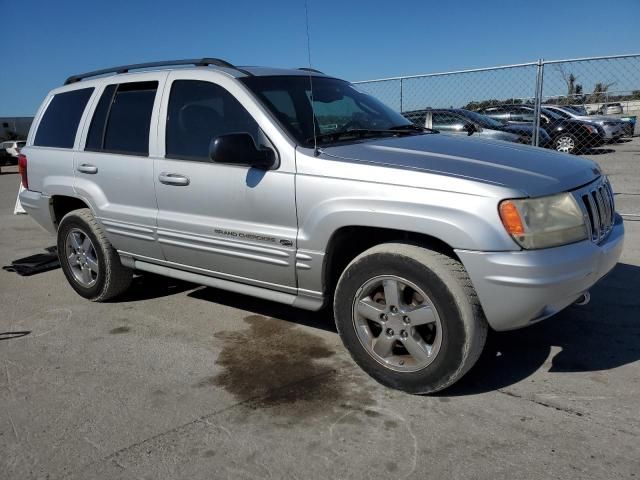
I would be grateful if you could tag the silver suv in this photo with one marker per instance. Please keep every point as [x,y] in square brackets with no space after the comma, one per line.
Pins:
[296,187]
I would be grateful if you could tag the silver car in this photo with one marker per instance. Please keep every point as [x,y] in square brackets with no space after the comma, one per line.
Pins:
[610,109]
[613,128]
[294,186]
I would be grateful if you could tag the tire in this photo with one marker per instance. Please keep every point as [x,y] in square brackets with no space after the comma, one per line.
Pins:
[108,278]
[567,143]
[449,298]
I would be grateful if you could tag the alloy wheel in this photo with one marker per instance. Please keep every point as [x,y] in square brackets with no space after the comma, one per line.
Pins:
[565,144]
[82,258]
[397,323]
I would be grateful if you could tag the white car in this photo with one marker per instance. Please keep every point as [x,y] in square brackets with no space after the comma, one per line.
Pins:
[9,151]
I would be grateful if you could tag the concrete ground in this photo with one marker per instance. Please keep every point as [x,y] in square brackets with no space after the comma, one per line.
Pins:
[180,381]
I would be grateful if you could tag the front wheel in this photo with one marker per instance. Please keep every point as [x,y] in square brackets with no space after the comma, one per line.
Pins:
[409,317]
[566,143]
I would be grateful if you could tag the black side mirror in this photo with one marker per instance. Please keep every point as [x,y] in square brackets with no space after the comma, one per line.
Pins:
[240,149]
[470,128]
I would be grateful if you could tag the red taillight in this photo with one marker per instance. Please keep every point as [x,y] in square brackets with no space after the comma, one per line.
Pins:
[22,168]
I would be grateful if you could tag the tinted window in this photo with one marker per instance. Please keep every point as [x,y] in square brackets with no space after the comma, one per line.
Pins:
[61,119]
[127,129]
[95,138]
[200,111]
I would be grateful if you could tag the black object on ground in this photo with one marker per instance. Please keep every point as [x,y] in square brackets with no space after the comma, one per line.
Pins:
[38,263]
[10,335]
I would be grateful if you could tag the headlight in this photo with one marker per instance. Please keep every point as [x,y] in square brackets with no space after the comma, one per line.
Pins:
[543,222]
[590,128]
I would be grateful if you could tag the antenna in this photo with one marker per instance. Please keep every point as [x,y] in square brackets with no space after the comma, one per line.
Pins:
[313,113]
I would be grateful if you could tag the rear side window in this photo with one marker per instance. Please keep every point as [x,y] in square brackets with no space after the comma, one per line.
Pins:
[60,121]
[122,119]
[200,111]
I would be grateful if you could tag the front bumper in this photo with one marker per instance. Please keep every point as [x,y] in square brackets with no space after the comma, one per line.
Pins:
[519,288]
[38,206]
[613,132]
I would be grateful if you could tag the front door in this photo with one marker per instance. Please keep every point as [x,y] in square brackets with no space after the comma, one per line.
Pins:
[233,222]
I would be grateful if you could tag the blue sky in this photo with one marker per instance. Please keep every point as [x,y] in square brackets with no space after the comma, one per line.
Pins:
[354,40]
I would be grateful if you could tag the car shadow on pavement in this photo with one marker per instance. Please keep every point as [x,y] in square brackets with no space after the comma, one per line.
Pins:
[598,151]
[147,286]
[602,335]
[322,319]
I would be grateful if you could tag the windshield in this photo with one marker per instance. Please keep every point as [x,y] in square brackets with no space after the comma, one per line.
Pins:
[549,113]
[560,112]
[338,106]
[483,120]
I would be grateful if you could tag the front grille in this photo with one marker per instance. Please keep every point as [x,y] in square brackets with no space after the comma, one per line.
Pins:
[599,208]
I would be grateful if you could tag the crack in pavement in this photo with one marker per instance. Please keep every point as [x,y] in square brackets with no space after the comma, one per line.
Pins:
[202,419]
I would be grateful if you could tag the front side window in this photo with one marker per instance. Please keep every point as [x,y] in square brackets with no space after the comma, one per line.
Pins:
[122,119]
[482,120]
[198,112]
[337,106]
[60,121]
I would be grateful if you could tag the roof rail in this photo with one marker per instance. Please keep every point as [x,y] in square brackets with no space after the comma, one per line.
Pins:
[199,62]
[307,69]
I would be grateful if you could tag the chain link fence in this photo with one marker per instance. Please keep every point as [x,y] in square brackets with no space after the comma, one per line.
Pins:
[569,105]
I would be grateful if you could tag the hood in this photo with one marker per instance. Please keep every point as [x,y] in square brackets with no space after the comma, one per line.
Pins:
[598,118]
[533,171]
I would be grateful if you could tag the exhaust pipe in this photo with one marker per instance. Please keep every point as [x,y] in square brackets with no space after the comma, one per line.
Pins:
[583,300]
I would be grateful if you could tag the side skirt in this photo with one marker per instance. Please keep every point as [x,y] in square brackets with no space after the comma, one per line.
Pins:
[304,300]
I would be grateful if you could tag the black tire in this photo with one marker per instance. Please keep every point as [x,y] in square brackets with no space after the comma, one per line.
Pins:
[445,281]
[112,278]
[557,141]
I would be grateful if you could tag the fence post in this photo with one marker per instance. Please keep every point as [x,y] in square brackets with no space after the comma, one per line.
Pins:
[401,106]
[535,140]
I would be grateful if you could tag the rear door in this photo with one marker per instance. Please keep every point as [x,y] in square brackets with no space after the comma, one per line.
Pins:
[114,170]
[229,221]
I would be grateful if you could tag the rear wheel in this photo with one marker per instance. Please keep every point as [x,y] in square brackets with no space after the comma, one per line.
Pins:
[565,142]
[89,261]
[409,317]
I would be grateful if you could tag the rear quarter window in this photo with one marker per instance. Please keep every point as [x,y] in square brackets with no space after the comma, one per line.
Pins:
[60,121]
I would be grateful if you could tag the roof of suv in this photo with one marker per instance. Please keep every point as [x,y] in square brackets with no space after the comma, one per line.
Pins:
[215,63]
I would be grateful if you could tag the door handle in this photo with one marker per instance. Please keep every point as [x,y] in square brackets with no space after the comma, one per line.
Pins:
[174,179]
[87,168]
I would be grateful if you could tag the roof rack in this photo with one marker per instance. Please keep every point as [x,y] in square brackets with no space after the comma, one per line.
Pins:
[199,62]
[307,69]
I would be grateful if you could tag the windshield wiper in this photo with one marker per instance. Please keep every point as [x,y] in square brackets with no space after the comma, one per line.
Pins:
[362,132]
[412,127]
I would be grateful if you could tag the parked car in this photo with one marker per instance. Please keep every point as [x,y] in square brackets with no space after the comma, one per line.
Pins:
[613,128]
[9,151]
[610,109]
[243,179]
[567,135]
[458,121]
